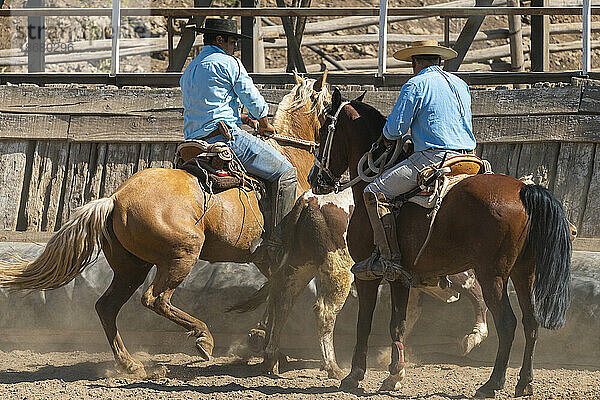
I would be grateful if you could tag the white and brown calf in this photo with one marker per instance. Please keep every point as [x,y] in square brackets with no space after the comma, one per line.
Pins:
[316,246]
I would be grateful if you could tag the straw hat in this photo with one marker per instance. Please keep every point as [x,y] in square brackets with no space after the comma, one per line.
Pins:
[220,26]
[425,47]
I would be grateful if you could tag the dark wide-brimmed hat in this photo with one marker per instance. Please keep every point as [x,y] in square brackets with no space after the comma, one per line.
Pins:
[425,47]
[220,26]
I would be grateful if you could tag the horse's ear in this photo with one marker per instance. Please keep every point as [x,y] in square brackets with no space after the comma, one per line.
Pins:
[297,78]
[361,97]
[336,99]
[320,83]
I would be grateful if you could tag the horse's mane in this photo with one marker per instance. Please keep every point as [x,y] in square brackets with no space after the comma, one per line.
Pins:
[372,115]
[290,123]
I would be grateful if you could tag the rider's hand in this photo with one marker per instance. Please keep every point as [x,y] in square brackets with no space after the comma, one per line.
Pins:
[265,128]
[386,142]
[249,121]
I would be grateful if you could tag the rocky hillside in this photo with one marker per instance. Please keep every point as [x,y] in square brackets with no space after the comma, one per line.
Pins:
[61,31]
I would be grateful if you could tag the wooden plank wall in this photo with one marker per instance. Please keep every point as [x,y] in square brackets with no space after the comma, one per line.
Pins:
[61,147]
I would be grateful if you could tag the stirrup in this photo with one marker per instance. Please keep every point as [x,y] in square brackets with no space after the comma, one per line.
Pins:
[376,267]
[393,271]
[368,269]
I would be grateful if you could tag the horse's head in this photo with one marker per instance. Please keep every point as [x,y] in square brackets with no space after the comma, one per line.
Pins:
[302,111]
[349,129]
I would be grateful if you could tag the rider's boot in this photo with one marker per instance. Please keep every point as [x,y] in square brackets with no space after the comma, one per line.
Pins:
[283,199]
[386,260]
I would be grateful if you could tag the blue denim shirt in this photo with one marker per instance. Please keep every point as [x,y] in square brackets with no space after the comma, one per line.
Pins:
[436,107]
[212,87]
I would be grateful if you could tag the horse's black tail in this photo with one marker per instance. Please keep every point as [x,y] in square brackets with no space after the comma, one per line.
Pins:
[549,238]
[251,303]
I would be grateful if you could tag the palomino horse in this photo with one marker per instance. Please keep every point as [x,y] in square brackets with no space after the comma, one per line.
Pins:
[162,217]
[492,223]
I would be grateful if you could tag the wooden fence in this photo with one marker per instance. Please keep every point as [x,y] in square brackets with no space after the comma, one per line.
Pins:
[61,147]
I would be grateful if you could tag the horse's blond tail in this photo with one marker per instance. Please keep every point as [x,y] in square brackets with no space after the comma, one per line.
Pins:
[67,253]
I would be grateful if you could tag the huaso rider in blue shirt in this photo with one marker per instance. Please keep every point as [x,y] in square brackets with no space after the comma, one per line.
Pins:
[213,87]
[435,107]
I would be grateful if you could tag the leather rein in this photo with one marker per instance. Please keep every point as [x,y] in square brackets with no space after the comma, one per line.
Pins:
[374,167]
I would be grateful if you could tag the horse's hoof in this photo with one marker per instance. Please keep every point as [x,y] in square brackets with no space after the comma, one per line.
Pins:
[350,382]
[157,372]
[334,372]
[283,362]
[523,389]
[257,340]
[392,382]
[485,392]
[132,367]
[269,367]
[468,343]
[204,345]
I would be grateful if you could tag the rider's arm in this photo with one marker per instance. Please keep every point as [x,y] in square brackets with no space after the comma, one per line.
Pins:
[400,119]
[248,94]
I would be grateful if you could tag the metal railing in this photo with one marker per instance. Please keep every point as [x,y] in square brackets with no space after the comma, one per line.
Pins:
[116,12]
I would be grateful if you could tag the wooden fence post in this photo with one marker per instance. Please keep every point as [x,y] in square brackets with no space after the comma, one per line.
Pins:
[466,37]
[540,52]
[447,31]
[248,44]
[517,60]
[36,39]
[188,36]
[259,45]
[116,33]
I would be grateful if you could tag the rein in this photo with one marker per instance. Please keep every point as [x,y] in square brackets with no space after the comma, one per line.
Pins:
[374,167]
[309,144]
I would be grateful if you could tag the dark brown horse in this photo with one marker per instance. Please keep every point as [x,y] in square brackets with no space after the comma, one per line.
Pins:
[494,224]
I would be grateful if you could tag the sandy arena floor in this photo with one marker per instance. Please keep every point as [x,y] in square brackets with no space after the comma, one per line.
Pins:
[81,375]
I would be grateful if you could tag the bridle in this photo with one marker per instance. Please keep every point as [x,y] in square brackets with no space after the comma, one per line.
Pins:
[322,165]
[370,173]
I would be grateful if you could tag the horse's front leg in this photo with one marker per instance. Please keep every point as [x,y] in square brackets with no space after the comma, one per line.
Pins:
[399,295]
[367,299]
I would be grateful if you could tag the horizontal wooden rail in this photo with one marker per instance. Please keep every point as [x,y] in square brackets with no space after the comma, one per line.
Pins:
[172,79]
[303,12]
[64,146]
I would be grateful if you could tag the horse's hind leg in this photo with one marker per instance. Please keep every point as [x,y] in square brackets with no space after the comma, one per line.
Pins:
[335,279]
[523,282]
[399,294]
[367,299]
[158,299]
[496,297]
[466,284]
[129,274]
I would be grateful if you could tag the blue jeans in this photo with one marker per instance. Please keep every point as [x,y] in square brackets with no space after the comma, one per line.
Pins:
[258,157]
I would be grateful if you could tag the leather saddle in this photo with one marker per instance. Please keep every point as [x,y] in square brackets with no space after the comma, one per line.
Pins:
[215,166]
[436,181]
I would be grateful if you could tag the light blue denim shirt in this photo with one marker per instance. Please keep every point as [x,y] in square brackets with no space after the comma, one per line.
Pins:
[436,107]
[212,87]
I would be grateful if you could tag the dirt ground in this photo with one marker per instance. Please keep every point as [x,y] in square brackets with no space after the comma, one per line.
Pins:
[81,375]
